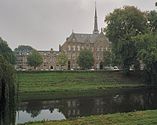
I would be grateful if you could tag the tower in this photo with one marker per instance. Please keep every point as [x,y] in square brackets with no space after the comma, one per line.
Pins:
[95,31]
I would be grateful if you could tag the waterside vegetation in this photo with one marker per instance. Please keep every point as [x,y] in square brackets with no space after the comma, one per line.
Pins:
[64,84]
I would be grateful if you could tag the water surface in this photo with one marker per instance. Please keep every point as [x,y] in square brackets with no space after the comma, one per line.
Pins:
[112,101]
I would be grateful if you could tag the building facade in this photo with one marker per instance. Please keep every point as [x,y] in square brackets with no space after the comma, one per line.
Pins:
[49,60]
[96,42]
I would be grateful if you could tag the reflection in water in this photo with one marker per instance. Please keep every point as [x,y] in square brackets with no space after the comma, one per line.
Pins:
[45,114]
[111,102]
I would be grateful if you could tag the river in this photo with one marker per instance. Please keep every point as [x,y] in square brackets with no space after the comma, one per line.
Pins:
[112,101]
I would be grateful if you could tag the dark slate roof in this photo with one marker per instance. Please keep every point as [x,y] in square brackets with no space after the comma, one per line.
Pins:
[82,38]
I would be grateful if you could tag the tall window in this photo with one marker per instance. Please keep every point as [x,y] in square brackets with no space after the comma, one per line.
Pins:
[98,49]
[102,49]
[69,48]
[98,57]
[92,49]
[78,48]
[74,48]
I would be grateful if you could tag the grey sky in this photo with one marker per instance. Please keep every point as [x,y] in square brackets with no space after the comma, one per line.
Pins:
[45,24]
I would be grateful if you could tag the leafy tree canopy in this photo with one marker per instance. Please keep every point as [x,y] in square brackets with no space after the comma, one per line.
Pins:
[23,48]
[122,25]
[147,52]
[85,59]
[34,59]
[6,70]
[152,21]
[107,59]
[7,78]
[6,52]
[62,59]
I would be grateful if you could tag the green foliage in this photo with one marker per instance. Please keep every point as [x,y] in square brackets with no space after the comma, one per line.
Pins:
[147,48]
[122,25]
[85,59]
[34,59]
[60,84]
[6,52]
[23,48]
[152,21]
[108,58]
[7,73]
[147,52]
[7,78]
[62,59]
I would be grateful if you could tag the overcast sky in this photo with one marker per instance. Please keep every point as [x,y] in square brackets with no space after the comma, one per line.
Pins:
[45,24]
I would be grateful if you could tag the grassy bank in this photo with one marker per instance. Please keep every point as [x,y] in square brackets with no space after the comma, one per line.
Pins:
[48,85]
[133,118]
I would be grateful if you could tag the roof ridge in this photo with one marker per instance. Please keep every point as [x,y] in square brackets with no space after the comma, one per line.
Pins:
[82,34]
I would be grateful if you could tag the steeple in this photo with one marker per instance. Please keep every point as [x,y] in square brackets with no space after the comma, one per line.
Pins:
[95,31]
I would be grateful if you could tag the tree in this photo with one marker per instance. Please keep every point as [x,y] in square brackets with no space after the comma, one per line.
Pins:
[23,48]
[7,73]
[85,59]
[147,53]
[6,52]
[122,25]
[62,59]
[108,58]
[7,84]
[147,48]
[34,59]
[152,21]
[7,77]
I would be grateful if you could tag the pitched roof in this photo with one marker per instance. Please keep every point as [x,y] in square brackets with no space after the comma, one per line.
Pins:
[82,38]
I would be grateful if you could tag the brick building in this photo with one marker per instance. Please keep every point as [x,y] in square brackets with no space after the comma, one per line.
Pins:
[49,60]
[96,42]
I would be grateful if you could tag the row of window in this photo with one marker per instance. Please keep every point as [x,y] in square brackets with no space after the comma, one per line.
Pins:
[74,48]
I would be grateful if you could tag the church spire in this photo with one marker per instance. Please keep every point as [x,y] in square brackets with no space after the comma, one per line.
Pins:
[95,31]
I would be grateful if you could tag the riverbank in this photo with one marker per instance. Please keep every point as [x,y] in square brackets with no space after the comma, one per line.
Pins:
[133,118]
[50,85]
